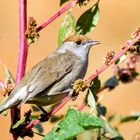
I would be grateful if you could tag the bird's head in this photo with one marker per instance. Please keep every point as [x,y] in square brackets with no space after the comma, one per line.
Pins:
[77,44]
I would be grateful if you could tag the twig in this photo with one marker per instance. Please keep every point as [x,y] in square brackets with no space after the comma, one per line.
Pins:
[56,15]
[23,48]
[22,56]
[124,49]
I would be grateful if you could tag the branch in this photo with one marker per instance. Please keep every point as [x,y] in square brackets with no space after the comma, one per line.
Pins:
[56,15]
[57,108]
[22,56]
[124,49]
[23,46]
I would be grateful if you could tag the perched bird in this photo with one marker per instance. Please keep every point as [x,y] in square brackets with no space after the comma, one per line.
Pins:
[50,80]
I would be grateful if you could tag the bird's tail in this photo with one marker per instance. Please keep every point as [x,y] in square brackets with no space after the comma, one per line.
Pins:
[8,103]
[14,99]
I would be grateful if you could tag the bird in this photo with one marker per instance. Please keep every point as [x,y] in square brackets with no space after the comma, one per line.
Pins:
[51,79]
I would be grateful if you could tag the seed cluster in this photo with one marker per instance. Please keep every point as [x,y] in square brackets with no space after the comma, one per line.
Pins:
[31,32]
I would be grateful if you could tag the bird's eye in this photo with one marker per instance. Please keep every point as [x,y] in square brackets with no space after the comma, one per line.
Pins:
[79,42]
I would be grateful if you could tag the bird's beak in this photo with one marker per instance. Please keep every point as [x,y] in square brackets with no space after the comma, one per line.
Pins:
[92,42]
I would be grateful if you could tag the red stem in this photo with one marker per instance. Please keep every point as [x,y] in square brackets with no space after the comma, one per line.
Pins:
[34,122]
[56,15]
[22,56]
[1,84]
[23,48]
[125,48]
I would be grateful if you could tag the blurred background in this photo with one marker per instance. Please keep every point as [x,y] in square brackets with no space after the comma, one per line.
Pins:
[117,20]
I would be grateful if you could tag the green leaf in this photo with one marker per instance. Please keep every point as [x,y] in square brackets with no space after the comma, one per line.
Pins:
[67,27]
[39,128]
[35,108]
[121,59]
[90,100]
[88,20]
[62,2]
[101,109]
[4,113]
[135,74]
[111,132]
[34,117]
[21,121]
[96,85]
[111,83]
[8,73]
[133,117]
[74,123]
[56,118]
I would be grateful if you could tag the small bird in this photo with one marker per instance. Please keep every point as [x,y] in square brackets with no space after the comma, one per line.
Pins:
[50,80]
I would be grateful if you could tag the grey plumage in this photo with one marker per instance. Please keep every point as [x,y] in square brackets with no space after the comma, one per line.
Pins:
[47,82]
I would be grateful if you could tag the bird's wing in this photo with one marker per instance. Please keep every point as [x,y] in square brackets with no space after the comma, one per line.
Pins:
[47,72]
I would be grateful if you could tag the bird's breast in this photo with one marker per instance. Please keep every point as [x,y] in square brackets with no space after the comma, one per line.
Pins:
[78,72]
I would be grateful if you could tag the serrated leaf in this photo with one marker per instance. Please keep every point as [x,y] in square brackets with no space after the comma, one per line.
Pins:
[74,123]
[62,2]
[67,27]
[111,83]
[88,20]
[21,121]
[121,59]
[90,100]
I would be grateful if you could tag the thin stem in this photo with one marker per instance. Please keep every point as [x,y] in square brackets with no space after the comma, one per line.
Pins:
[56,15]
[124,49]
[34,122]
[22,55]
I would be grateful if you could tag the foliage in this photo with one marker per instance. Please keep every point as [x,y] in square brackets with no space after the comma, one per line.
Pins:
[88,20]
[75,121]
[66,28]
